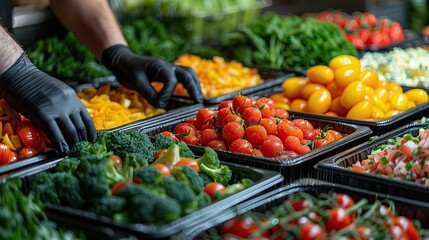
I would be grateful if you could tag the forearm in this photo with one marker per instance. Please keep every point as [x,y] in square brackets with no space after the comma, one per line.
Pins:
[93,23]
[10,51]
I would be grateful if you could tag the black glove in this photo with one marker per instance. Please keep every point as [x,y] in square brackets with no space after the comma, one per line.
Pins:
[50,103]
[137,72]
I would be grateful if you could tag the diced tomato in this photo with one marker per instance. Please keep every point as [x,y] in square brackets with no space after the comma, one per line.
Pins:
[358,168]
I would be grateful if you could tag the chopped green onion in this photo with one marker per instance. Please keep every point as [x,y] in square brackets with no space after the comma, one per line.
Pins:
[416,152]
[398,154]
[408,177]
[408,137]
[409,166]
[384,160]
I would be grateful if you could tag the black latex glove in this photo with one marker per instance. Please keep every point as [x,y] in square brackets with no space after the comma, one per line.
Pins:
[50,103]
[137,72]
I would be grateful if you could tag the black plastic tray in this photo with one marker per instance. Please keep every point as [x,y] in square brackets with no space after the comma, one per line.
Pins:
[408,208]
[89,222]
[174,107]
[336,168]
[378,127]
[271,78]
[5,169]
[291,168]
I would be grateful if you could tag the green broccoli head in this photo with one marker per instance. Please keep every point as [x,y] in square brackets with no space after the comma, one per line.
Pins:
[206,178]
[183,194]
[209,159]
[222,175]
[68,189]
[85,149]
[145,206]
[203,200]
[108,206]
[189,176]
[184,150]
[122,143]
[162,142]
[149,175]
[67,165]
[134,160]
[42,185]
[80,149]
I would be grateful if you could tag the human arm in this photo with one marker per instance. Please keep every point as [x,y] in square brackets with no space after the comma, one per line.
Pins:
[94,23]
[50,103]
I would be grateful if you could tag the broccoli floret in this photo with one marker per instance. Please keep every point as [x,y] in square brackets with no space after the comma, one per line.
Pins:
[205,177]
[170,157]
[110,206]
[209,159]
[134,160]
[184,195]
[184,150]
[67,165]
[42,185]
[189,176]
[95,179]
[68,189]
[144,206]
[221,175]
[85,149]
[149,175]
[203,200]
[122,143]
[233,188]
[162,142]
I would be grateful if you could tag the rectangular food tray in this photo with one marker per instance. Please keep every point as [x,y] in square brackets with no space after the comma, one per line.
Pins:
[99,225]
[378,127]
[174,108]
[336,168]
[291,168]
[37,159]
[411,209]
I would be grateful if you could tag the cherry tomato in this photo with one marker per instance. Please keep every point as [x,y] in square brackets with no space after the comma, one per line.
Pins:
[369,78]
[338,219]
[213,187]
[5,154]
[241,146]
[268,101]
[162,168]
[190,162]
[116,159]
[272,146]
[418,96]
[291,143]
[232,131]
[364,232]
[320,74]
[361,110]
[281,113]
[399,102]
[292,87]
[265,110]
[285,129]
[302,149]
[356,41]
[256,134]
[269,125]
[310,231]
[309,88]
[369,19]
[302,124]
[334,90]
[299,105]
[184,129]
[208,135]
[279,98]
[26,152]
[31,137]
[240,103]
[321,142]
[13,157]
[118,186]
[225,104]
[251,116]
[344,201]
[319,101]
[346,75]
[299,205]
[190,139]
[217,144]
[231,118]
[353,94]
[343,61]
[241,227]
[205,114]
[396,33]
[407,226]
[337,107]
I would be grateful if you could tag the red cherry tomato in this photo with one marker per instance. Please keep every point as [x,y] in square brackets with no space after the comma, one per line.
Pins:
[311,231]
[184,129]
[251,116]
[170,135]
[272,146]
[27,152]
[162,168]
[338,219]
[118,186]
[115,158]
[213,187]
[205,114]
[159,153]
[208,135]
[256,134]
[345,201]
[241,146]
[232,131]
[243,227]
[31,137]
[13,156]
[217,144]
[240,103]
[190,162]
[5,154]
[225,104]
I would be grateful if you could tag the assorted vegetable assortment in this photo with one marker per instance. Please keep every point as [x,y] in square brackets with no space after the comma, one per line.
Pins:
[344,89]
[110,108]
[254,127]
[119,177]
[402,158]
[20,139]
[365,30]
[327,216]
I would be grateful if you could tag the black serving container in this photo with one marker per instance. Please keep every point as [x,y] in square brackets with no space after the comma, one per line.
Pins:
[378,126]
[336,168]
[411,209]
[102,226]
[290,168]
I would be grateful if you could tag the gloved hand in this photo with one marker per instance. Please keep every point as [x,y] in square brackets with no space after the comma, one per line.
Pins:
[137,72]
[50,103]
